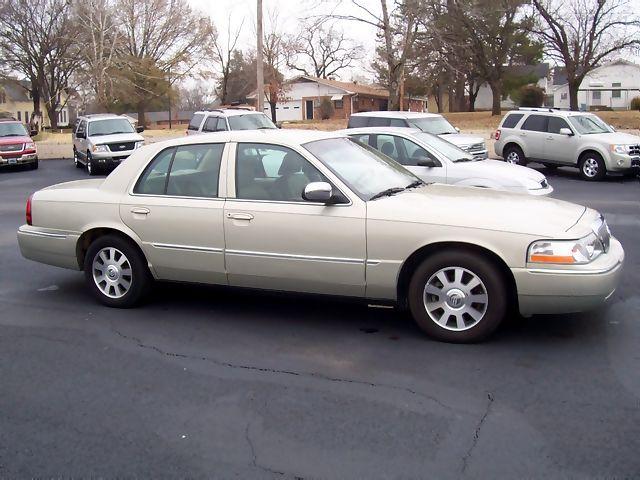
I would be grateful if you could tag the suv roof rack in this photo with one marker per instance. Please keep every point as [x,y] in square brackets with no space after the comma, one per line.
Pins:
[538,109]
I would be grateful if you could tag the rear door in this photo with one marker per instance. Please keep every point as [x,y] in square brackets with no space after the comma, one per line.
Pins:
[176,208]
[533,133]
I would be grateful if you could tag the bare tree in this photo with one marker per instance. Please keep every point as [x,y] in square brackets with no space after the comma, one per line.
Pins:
[224,51]
[581,34]
[324,48]
[196,97]
[274,56]
[162,41]
[396,30]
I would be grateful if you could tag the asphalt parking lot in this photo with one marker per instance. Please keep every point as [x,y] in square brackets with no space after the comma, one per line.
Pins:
[220,383]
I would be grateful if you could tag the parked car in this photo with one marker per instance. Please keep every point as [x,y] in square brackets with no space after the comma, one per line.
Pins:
[427,122]
[435,160]
[102,141]
[16,145]
[221,120]
[309,211]
[566,138]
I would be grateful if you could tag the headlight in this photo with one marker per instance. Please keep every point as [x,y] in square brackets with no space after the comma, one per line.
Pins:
[139,144]
[567,252]
[620,148]
[29,146]
[100,148]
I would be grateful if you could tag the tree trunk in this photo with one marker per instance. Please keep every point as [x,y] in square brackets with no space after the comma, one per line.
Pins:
[52,113]
[496,91]
[37,111]
[573,93]
[142,121]
[273,111]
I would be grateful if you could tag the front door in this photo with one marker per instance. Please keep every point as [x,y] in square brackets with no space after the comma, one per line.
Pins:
[559,147]
[176,210]
[276,240]
[309,109]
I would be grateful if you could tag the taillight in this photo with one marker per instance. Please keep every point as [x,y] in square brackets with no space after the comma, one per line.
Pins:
[496,135]
[29,219]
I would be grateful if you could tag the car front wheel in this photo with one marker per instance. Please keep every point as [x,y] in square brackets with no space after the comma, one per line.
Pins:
[513,154]
[458,297]
[91,168]
[76,160]
[116,272]
[592,167]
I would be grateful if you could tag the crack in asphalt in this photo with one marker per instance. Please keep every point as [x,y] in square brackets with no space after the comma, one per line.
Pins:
[254,456]
[281,371]
[476,434]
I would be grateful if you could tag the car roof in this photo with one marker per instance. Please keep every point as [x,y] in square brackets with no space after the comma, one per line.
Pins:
[101,116]
[230,112]
[9,120]
[547,110]
[396,114]
[381,130]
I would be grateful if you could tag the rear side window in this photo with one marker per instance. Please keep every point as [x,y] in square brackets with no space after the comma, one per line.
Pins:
[398,122]
[379,122]
[511,120]
[535,123]
[154,178]
[214,124]
[195,122]
[357,122]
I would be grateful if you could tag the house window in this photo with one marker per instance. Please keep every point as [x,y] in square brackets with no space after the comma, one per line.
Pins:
[596,96]
[338,104]
[563,96]
[616,84]
[19,116]
[26,116]
[616,94]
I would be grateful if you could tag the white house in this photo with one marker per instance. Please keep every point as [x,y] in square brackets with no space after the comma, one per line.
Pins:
[541,72]
[303,95]
[612,85]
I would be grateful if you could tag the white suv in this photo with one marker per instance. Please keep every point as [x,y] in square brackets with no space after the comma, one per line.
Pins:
[566,138]
[427,122]
[221,120]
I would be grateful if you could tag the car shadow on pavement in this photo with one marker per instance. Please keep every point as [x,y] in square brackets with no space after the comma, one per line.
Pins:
[570,173]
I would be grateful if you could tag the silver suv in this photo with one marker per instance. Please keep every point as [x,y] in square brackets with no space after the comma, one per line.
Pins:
[223,119]
[432,123]
[566,138]
[102,141]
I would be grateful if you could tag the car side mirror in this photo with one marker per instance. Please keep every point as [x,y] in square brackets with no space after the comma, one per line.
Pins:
[139,129]
[457,129]
[318,192]
[427,162]
[566,131]
[33,133]
[613,129]
[80,135]
[279,124]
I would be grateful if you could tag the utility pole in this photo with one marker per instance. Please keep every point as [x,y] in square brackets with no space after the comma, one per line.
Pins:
[170,98]
[259,64]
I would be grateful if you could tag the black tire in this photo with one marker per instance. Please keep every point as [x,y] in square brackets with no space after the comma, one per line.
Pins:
[592,167]
[514,154]
[34,165]
[76,158]
[91,167]
[493,285]
[140,278]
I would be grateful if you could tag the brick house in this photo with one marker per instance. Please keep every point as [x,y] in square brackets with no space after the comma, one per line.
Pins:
[304,94]
[160,120]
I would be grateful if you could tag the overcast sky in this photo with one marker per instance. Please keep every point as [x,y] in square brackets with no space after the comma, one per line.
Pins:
[289,13]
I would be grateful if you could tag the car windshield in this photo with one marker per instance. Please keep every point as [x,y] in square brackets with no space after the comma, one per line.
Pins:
[366,171]
[449,150]
[13,130]
[250,121]
[110,126]
[435,125]
[588,124]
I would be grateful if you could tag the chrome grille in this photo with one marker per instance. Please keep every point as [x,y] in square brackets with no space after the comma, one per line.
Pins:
[634,150]
[121,147]
[16,147]
[476,146]
[601,229]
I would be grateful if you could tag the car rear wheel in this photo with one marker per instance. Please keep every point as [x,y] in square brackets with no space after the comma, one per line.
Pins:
[116,272]
[592,167]
[514,154]
[457,297]
[91,169]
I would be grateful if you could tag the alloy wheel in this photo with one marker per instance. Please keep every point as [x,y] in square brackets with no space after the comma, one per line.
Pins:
[455,298]
[112,272]
[590,167]
[513,157]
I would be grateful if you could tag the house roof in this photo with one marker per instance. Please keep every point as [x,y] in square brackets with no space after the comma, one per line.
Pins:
[540,70]
[348,87]
[162,116]
[559,76]
[560,73]
[16,90]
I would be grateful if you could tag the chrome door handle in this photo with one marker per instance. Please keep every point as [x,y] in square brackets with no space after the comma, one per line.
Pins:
[140,211]
[240,216]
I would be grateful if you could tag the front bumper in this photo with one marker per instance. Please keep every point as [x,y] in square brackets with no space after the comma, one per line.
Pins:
[23,159]
[479,154]
[53,247]
[110,159]
[569,290]
[540,191]
[621,162]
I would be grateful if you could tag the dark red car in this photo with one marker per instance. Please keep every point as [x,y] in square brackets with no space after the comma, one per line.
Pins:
[16,145]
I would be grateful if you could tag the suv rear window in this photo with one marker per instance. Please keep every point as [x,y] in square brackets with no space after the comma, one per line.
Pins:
[535,123]
[511,120]
[357,122]
[195,122]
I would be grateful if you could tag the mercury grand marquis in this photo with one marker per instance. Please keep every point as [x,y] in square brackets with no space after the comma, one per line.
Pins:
[318,212]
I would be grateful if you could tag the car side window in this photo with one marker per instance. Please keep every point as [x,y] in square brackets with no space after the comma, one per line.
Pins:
[187,171]
[555,124]
[511,120]
[387,145]
[535,123]
[357,122]
[398,122]
[411,153]
[195,122]
[222,125]
[195,170]
[272,172]
[379,122]
[82,128]
[362,138]
[210,124]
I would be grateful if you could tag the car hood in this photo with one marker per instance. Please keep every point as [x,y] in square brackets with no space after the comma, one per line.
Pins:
[507,174]
[479,208]
[615,138]
[460,139]
[14,140]
[118,138]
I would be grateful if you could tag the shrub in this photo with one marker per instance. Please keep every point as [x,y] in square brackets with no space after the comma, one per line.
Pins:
[326,108]
[635,103]
[529,96]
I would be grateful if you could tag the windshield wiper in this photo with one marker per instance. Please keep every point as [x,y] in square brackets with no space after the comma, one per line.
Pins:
[417,183]
[114,133]
[463,159]
[265,128]
[388,192]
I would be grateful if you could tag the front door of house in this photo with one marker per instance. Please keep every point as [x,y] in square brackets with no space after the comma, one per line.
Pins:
[309,109]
